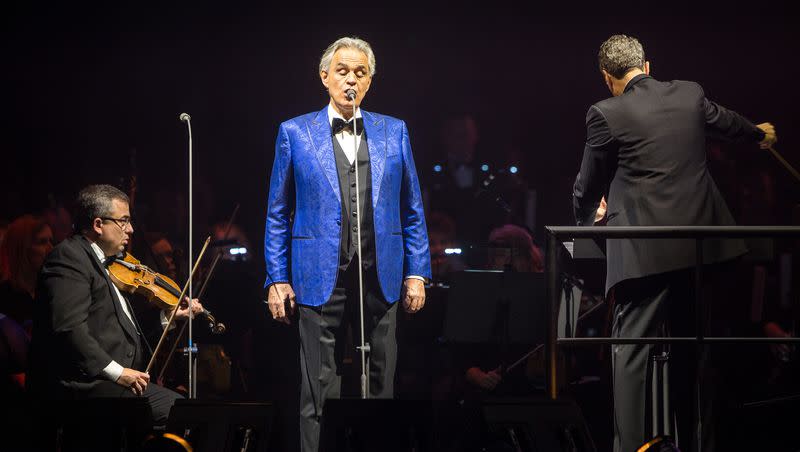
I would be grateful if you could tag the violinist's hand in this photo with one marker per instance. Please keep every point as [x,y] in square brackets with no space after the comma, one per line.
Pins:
[484,380]
[413,295]
[183,309]
[281,302]
[134,380]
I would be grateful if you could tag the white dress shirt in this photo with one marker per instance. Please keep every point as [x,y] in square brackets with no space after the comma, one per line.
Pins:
[113,370]
[345,139]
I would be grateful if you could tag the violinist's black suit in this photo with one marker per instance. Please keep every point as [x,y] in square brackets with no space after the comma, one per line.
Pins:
[80,328]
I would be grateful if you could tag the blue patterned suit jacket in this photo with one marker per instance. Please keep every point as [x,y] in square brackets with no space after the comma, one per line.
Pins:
[304,249]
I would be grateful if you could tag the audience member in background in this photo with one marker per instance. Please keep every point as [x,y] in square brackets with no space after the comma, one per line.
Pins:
[511,247]
[163,255]
[231,238]
[442,236]
[28,241]
[16,425]
[453,183]
[60,222]
[3,229]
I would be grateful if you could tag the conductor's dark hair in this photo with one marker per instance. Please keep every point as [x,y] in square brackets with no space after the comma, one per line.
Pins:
[619,54]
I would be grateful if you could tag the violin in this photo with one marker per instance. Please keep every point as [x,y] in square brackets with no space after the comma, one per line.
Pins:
[130,275]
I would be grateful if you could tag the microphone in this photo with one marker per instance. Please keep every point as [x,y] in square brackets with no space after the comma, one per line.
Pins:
[184,117]
[351,94]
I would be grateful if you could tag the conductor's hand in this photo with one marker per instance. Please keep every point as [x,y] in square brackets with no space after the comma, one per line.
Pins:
[770,138]
[280,299]
[413,295]
[134,380]
[600,215]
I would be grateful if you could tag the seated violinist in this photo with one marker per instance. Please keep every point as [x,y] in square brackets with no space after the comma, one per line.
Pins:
[511,248]
[86,337]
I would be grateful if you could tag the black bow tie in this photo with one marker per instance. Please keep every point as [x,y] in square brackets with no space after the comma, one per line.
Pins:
[340,124]
[110,260]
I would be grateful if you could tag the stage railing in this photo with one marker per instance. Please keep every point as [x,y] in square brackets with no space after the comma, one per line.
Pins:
[557,234]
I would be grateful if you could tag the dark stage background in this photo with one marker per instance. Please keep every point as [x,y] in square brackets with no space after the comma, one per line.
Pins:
[85,86]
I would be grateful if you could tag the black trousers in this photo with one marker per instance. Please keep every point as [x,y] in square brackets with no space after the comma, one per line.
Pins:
[323,334]
[158,397]
[660,306]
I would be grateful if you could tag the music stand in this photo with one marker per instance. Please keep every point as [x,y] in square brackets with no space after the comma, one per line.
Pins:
[495,307]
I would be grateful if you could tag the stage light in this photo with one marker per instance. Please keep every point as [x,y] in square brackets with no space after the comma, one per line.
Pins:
[452,251]
[484,167]
[437,168]
[659,444]
[513,169]
[242,250]
[234,251]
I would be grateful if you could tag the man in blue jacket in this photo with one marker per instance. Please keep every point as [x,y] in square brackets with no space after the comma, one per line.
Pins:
[314,237]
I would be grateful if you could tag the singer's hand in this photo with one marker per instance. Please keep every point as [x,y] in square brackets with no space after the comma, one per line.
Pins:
[281,302]
[413,295]
[770,137]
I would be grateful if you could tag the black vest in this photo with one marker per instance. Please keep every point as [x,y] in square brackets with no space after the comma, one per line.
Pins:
[347,186]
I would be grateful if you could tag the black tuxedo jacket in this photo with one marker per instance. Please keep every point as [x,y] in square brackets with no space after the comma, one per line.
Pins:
[79,326]
[645,151]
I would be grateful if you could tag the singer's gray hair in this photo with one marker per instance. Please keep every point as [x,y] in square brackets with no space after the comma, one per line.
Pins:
[619,54]
[350,43]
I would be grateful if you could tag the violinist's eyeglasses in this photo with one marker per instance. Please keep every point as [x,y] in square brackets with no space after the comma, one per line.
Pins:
[121,222]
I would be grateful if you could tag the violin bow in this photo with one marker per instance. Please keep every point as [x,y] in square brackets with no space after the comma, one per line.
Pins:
[200,294]
[180,298]
[219,253]
[601,302]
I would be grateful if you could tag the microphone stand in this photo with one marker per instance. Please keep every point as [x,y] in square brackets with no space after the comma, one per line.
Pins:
[191,348]
[364,347]
[486,190]
[218,327]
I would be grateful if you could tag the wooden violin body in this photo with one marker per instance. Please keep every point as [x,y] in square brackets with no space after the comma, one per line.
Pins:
[129,275]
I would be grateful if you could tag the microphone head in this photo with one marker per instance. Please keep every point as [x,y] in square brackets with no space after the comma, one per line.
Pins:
[184,117]
[351,94]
